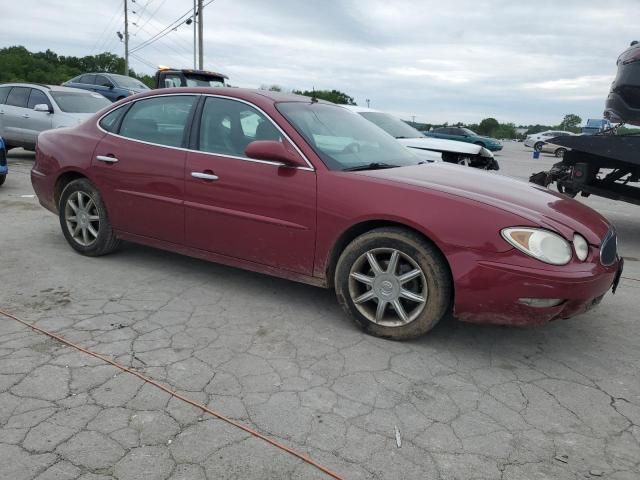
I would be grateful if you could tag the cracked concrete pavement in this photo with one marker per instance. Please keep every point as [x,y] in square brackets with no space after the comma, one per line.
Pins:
[470,402]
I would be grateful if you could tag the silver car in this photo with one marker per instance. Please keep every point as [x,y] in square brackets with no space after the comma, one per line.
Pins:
[27,109]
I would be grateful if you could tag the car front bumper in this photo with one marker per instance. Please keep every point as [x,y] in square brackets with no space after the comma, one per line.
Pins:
[491,289]
[494,148]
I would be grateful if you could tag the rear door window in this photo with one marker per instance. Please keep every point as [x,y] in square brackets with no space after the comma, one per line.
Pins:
[103,81]
[88,79]
[160,120]
[37,97]
[19,97]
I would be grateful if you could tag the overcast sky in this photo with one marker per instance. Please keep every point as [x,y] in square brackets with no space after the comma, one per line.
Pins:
[525,62]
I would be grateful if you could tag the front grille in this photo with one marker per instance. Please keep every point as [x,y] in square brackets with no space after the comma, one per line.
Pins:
[609,248]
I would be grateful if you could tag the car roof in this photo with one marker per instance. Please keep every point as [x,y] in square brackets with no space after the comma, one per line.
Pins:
[248,94]
[45,87]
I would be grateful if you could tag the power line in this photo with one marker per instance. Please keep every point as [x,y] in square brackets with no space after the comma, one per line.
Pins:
[174,25]
[104,37]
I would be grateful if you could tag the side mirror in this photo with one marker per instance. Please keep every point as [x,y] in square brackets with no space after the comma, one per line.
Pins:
[274,151]
[42,107]
[111,87]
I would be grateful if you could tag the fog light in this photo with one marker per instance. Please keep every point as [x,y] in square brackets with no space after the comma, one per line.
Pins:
[541,302]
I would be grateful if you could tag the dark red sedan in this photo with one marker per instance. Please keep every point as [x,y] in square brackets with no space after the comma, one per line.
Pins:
[309,191]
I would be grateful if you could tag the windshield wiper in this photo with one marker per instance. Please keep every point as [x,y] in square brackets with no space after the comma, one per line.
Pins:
[370,166]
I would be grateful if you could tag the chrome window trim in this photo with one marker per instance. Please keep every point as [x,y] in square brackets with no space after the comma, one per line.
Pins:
[309,168]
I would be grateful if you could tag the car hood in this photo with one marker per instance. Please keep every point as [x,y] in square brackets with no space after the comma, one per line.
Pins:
[528,201]
[442,145]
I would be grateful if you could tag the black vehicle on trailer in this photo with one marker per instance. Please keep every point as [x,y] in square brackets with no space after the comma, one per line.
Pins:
[605,164]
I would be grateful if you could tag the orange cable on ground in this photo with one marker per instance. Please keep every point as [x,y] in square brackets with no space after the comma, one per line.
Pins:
[202,407]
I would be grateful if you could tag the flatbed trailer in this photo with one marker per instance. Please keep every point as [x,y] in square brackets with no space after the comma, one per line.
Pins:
[602,165]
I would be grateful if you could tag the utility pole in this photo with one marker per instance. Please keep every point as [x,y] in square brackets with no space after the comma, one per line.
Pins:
[126,39]
[195,33]
[368,102]
[200,41]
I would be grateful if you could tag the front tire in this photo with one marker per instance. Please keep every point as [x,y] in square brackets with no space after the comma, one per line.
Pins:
[538,146]
[393,283]
[84,221]
[2,179]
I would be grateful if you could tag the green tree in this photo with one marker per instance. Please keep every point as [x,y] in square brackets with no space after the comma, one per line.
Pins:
[488,127]
[571,122]
[20,65]
[334,96]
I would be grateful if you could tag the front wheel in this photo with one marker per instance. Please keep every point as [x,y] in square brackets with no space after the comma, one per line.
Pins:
[84,221]
[2,179]
[393,283]
[538,146]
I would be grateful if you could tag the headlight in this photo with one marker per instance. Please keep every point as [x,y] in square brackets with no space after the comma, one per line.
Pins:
[581,247]
[542,244]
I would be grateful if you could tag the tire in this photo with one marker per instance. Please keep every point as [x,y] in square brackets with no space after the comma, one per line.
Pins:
[560,152]
[93,235]
[538,146]
[433,284]
[2,179]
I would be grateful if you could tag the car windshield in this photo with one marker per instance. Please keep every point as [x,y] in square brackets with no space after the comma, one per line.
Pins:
[72,102]
[471,133]
[129,82]
[392,125]
[343,139]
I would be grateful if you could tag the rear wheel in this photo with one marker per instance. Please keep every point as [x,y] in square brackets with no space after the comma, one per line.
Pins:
[84,221]
[393,283]
[560,152]
[2,179]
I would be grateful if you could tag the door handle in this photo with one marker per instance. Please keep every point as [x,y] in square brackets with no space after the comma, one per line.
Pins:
[205,176]
[26,116]
[106,158]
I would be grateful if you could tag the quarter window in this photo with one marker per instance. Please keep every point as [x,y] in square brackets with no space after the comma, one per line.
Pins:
[37,97]
[228,126]
[160,120]
[18,97]
[110,121]
[4,91]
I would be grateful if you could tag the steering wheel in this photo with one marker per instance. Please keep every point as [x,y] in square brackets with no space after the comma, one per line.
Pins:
[353,147]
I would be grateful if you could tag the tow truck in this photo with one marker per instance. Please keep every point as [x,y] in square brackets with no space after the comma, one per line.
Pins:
[167,77]
[605,164]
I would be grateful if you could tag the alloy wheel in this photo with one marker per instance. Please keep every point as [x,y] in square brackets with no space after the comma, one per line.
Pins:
[82,218]
[388,287]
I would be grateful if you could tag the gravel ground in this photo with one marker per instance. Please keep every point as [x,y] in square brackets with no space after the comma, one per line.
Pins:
[468,402]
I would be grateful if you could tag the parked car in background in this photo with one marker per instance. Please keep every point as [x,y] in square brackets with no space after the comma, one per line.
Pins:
[596,125]
[536,140]
[110,85]
[623,102]
[449,151]
[26,109]
[4,168]
[557,150]
[167,77]
[463,134]
[309,191]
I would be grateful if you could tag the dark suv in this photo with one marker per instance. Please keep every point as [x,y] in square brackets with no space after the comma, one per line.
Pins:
[623,102]
[111,85]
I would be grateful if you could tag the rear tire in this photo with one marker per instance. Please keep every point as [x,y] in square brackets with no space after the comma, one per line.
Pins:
[84,220]
[2,179]
[396,299]
[560,152]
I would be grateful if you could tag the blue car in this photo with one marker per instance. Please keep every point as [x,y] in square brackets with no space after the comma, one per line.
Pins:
[114,87]
[4,169]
